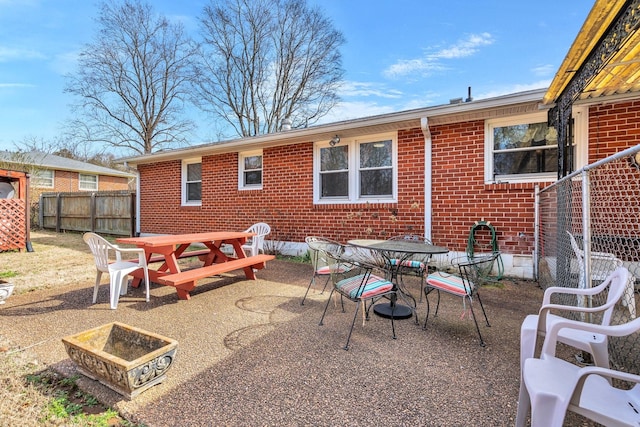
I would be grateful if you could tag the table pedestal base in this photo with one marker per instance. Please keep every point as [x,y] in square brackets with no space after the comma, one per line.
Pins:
[399,311]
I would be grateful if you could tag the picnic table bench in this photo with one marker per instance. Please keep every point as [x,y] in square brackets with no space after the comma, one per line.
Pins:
[185,281]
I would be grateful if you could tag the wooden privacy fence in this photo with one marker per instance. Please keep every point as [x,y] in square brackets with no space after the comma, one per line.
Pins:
[106,212]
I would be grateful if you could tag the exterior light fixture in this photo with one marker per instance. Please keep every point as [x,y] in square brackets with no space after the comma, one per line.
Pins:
[335,140]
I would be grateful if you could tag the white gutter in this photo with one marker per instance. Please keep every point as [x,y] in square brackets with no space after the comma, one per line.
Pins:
[428,179]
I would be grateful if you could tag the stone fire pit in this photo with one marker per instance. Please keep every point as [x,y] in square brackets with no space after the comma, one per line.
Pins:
[126,359]
[5,290]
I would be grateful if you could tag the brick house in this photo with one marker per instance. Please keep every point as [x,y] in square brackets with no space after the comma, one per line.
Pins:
[432,171]
[51,173]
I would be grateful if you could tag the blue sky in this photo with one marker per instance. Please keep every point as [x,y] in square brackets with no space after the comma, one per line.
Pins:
[399,54]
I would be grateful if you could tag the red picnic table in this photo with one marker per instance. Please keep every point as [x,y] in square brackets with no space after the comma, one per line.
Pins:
[170,248]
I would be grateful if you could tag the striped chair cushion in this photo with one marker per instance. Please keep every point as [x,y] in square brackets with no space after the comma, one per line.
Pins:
[327,269]
[375,285]
[449,283]
[408,263]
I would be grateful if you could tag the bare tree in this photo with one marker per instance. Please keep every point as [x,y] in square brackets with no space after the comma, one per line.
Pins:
[133,80]
[266,60]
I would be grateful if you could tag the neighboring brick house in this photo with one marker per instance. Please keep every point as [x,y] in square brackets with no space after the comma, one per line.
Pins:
[433,171]
[51,173]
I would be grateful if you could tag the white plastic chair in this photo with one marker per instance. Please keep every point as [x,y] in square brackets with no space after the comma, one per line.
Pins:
[118,270]
[602,264]
[594,343]
[256,243]
[554,386]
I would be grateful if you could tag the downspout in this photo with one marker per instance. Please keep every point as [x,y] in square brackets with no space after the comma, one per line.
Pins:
[424,124]
[137,227]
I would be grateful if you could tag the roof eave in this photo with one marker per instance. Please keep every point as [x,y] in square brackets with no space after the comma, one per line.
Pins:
[598,21]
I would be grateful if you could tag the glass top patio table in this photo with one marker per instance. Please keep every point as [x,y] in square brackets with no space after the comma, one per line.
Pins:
[400,250]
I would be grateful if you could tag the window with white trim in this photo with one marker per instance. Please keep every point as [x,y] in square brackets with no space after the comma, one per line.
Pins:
[522,148]
[358,170]
[43,178]
[88,182]
[250,170]
[192,182]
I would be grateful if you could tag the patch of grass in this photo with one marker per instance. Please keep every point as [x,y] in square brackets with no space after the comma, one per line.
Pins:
[7,274]
[32,396]
[69,404]
[304,259]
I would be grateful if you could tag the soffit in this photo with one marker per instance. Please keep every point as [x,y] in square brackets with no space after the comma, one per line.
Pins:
[619,71]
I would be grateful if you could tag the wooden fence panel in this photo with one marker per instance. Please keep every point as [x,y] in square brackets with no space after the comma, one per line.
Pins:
[104,212]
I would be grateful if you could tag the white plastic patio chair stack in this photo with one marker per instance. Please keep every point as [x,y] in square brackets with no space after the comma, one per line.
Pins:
[255,245]
[118,270]
[554,386]
[594,343]
[602,264]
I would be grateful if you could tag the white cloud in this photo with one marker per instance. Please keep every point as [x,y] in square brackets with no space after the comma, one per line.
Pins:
[465,47]
[65,62]
[9,54]
[544,70]
[13,85]
[353,88]
[432,62]
[349,110]
[515,88]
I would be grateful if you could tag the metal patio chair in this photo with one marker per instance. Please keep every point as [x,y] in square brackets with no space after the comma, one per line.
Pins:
[318,246]
[417,265]
[355,280]
[472,272]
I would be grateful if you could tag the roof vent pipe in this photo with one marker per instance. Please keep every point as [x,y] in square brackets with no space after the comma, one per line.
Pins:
[286,124]
[469,98]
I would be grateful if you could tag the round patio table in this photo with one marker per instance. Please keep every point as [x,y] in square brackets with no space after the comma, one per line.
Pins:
[401,250]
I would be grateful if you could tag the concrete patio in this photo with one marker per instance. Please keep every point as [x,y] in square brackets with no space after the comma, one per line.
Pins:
[250,354]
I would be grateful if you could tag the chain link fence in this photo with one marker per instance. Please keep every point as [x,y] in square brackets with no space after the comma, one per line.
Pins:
[588,224]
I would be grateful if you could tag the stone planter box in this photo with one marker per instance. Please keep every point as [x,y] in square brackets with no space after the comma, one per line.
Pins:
[5,290]
[128,360]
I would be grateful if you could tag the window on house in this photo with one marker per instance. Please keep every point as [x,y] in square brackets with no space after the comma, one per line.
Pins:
[88,182]
[358,170]
[192,182]
[250,170]
[523,148]
[43,178]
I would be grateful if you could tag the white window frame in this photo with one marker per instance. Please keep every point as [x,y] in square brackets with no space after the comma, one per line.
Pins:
[183,180]
[580,130]
[85,184]
[354,170]
[241,170]
[38,181]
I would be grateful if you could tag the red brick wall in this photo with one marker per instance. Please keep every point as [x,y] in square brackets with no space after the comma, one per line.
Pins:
[460,196]
[286,200]
[612,128]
